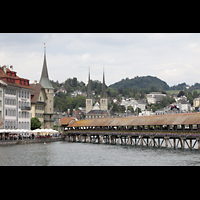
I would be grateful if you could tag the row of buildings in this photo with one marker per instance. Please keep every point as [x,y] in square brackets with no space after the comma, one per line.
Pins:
[20,100]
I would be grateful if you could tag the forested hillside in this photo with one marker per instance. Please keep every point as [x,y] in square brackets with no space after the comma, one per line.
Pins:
[144,82]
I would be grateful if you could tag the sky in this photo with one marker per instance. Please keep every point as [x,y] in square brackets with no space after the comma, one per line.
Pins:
[172,57]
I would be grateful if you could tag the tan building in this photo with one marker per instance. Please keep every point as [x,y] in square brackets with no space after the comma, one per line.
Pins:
[89,99]
[103,100]
[196,102]
[42,105]
[38,98]
[46,84]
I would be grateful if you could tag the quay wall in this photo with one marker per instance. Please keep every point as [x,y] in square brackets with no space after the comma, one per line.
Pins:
[29,141]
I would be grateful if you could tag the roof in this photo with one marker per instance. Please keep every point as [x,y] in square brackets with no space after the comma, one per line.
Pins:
[44,80]
[171,119]
[89,92]
[11,79]
[66,120]
[36,92]
[103,92]
[100,112]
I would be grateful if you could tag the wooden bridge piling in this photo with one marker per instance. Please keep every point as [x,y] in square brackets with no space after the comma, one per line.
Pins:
[139,139]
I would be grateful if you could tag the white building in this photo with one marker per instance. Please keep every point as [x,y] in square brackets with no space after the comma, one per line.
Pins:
[15,100]
[133,103]
[155,97]
[2,86]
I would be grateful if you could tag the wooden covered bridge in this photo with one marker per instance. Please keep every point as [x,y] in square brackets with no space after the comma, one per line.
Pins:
[176,130]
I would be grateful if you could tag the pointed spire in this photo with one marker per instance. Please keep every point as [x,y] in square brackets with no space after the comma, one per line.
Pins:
[89,92]
[103,92]
[44,80]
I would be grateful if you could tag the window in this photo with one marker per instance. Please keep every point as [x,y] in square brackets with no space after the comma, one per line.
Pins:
[89,102]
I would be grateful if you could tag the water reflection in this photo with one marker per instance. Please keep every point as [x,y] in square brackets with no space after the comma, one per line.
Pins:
[63,153]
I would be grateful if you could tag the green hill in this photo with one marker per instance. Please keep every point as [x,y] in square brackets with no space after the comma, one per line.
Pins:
[143,82]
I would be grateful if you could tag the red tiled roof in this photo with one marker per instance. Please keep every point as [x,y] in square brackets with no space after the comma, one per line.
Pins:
[10,78]
[66,120]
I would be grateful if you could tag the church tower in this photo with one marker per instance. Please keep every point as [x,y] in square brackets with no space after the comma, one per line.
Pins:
[46,84]
[103,100]
[89,102]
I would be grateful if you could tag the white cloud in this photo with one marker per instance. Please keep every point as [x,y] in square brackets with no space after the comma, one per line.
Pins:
[172,57]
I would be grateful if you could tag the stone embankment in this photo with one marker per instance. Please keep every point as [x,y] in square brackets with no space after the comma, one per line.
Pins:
[29,141]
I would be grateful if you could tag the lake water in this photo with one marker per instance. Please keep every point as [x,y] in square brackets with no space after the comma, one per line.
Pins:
[75,154]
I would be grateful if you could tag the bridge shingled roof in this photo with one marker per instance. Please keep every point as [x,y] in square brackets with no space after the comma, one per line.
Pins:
[171,119]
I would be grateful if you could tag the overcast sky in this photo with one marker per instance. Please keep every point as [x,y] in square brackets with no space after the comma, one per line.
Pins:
[172,57]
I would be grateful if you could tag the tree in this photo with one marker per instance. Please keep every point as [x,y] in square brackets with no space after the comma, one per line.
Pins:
[130,108]
[74,82]
[115,108]
[138,110]
[195,94]
[153,108]
[35,123]
[181,93]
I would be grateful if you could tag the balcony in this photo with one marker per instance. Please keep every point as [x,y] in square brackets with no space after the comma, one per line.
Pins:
[25,108]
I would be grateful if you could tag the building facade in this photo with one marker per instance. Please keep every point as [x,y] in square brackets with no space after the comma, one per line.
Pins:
[196,102]
[2,88]
[15,98]
[155,97]
[38,98]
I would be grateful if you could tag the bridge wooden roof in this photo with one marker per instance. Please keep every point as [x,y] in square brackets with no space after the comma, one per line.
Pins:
[66,120]
[171,119]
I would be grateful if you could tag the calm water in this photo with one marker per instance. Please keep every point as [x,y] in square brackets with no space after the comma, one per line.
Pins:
[64,153]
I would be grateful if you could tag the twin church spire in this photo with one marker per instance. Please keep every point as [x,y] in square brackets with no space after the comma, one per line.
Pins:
[89,91]
[103,99]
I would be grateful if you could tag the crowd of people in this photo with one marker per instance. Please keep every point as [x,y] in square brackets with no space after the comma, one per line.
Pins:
[22,137]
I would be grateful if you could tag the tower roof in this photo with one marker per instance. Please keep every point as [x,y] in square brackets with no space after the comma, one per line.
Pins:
[89,92]
[103,92]
[44,80]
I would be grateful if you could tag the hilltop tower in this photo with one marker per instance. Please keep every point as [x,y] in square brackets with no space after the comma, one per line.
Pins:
[103,100]
[89,99]
[46,84]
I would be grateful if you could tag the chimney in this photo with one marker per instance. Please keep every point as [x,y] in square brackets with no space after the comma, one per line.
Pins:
[11,67]
[4,68]
[35,82]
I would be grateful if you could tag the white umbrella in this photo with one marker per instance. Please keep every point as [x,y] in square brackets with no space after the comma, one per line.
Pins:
[50,130]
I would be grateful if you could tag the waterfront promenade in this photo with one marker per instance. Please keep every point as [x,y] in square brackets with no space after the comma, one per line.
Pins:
[29,141]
